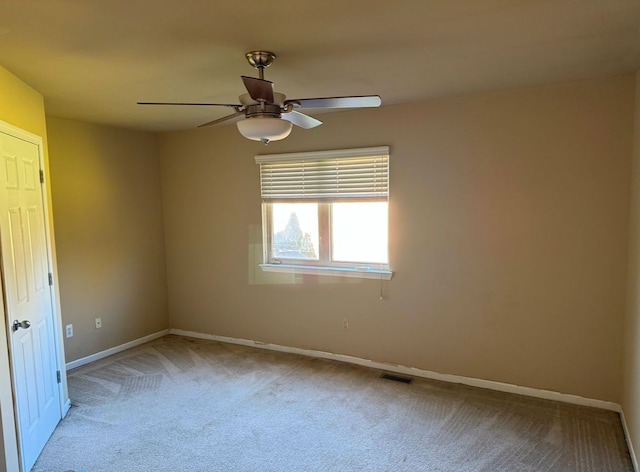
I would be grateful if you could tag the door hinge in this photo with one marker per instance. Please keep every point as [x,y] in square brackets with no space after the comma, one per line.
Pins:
[41,176]
[50,279]
[58,376]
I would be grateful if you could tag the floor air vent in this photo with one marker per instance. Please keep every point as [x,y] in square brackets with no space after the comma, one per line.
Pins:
[397,378]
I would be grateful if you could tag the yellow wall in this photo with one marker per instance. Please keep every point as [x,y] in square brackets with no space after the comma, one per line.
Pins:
[631,397]
[22,107]
[110,242]
[509,226]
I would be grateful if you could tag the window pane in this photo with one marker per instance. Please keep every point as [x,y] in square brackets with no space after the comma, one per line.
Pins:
[295,230]
[360,232]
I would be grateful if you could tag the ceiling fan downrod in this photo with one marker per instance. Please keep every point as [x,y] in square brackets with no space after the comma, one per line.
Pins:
[260,60]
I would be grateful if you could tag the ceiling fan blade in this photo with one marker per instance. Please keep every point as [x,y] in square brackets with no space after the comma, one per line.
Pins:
[259,89]
[192,104]
[220,120]
[366,101]
[301,120]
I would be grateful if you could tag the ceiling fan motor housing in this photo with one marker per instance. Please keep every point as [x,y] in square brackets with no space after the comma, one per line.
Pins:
[263,109]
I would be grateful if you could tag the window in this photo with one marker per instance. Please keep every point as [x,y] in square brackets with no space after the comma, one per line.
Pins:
[326,212]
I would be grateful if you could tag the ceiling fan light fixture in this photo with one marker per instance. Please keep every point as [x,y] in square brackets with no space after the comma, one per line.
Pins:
[264,128]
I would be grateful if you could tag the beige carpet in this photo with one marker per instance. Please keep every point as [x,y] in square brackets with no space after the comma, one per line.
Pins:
[179,404]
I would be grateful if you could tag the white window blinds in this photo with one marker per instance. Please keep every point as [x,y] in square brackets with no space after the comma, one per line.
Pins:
[341,174]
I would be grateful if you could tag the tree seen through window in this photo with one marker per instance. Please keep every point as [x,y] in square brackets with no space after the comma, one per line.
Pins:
[292,242]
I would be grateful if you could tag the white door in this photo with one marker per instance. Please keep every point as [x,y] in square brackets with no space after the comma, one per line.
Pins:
[27,293]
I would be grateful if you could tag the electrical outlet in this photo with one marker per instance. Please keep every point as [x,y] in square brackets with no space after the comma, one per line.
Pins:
[98,323]
[69,330]
[345,323]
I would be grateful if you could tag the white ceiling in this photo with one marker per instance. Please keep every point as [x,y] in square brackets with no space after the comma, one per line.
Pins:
[92,60]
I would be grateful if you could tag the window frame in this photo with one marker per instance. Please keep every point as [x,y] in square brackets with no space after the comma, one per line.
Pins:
[324,265]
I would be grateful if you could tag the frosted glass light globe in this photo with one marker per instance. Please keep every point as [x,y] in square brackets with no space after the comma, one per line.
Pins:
[264,128]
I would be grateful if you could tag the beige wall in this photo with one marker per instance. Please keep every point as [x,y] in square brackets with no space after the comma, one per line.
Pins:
[110,242]
[22,107]
[631,397]
[509,226]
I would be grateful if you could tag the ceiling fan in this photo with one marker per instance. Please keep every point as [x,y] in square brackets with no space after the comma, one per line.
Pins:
[268,115]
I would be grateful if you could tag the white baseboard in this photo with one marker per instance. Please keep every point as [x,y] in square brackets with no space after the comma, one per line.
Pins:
[115,350]
[632,453]
[488,384]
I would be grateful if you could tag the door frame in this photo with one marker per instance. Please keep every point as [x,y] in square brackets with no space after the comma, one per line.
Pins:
[8,412]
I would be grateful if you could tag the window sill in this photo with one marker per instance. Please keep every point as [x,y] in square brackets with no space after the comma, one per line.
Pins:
[360,273]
